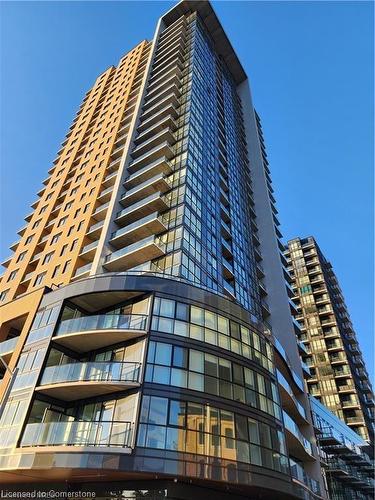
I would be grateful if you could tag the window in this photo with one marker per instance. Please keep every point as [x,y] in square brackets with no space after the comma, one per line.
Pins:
[21,256]
[12,275]
[48,257]
[55,271]
[63,250]
[29,239]
[55,239]
[74,245]
[66,266]
[36,224]
[3,295]
[62,221]
[39,279]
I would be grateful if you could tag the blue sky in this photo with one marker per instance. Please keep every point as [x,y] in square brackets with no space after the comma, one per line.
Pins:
[311,71]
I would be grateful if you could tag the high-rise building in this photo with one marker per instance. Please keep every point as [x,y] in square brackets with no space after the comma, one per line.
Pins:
[338,376]
[347,459]
[146,321]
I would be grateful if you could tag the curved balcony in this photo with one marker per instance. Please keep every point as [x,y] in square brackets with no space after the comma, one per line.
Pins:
[298,445]
[88,333]
[79,433]
[84,380]
[289,400]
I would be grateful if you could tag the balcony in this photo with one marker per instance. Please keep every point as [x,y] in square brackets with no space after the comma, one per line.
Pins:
[298,445]
[173,31]
[114,164]
[153,203]
[298,473]
[80,433]
[229,290]
[152,100]
[95,229]
[88,333]
[159,166]
[158,152]
[85,380]
[165,123]
[343,371]
[7,347]
[350,403]
[36,257]
[260,271]
[159,108]
[174,49]
[158,183]
[226,249]
[100,212]
[289,401]
[88,251]
[225,230]
[167,111]
[335,346]
[172,78]
[346,388]
[27,277]
[14,245]
[81,271]
[150,225]
[337,357]
[110,179]
[105,195]
[165,136]
[173,63]
[117,152]
[133,255]
[228,269]
[121,139]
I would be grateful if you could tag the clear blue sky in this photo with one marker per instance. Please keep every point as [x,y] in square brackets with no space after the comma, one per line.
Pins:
[311,70]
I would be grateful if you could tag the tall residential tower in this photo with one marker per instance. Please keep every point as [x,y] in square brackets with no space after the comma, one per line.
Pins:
[338,374]
[146,310]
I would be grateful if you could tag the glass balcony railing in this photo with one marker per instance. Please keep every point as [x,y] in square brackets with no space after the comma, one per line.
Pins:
[83,269]
[299,473]
[89,247]
[103,322]
[96,226]
[294,429]
[78,433]
[8,345]
[136,247]
[152,218]
[282,380]
[95,371]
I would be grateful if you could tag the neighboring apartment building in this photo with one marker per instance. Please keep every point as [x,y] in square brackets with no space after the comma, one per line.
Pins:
[146,310]
[338,376]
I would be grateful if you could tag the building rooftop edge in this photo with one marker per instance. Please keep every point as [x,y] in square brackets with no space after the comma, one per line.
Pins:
[214,27]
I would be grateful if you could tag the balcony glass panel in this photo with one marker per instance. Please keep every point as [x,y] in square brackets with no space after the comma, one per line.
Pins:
[294,429]
[79,433]
[136,246]
[103,322]
[100,371]
[8,345]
